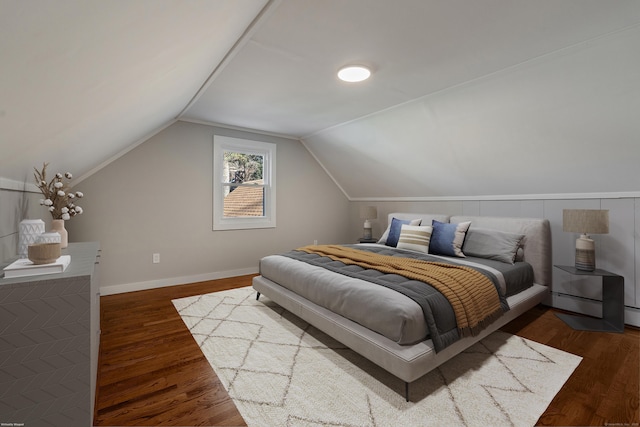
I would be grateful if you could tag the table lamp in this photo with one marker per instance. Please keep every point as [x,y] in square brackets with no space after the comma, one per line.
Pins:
[585,222]
[367,213]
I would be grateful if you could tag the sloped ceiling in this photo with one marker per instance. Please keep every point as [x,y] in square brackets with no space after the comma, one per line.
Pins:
[85,80]
[284,78]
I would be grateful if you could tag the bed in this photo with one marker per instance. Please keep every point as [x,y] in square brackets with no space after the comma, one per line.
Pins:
[362,308]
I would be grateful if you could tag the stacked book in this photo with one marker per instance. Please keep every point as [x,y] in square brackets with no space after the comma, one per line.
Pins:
[23,267]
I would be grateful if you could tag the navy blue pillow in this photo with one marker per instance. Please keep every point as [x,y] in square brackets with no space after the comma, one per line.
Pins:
[394,231]
[447,239]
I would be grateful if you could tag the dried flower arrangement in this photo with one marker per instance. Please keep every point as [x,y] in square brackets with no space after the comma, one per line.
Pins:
[59,200]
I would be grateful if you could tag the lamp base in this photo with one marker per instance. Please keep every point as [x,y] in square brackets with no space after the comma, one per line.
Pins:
[367,230]
[585,253]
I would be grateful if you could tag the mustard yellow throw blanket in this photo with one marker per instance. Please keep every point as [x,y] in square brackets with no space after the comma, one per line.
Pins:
[473,297]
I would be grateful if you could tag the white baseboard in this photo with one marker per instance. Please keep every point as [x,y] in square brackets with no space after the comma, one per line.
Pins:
[172,281]
[592,308]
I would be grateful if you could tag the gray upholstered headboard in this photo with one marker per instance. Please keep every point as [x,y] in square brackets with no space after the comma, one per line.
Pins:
[536,243]
[426,217]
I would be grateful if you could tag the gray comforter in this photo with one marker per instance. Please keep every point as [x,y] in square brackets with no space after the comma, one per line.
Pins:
[437,311]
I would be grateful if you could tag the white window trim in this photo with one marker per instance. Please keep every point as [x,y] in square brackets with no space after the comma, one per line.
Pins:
[266,149]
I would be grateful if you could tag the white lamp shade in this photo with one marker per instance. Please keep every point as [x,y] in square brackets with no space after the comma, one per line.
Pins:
[368,212]
[585,221]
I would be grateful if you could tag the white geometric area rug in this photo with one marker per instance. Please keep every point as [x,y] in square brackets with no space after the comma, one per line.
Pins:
[280,371]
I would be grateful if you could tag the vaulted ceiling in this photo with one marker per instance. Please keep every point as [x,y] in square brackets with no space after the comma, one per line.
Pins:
[82,81]
[283,79]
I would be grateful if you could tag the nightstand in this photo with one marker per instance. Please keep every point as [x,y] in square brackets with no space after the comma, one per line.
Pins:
[363,240]
[612,303]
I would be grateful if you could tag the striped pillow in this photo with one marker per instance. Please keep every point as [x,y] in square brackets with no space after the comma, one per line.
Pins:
[415,237]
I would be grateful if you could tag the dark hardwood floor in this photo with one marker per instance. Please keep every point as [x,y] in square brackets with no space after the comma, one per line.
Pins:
[152,373]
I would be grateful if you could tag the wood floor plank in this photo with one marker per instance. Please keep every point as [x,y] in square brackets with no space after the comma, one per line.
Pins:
[152,373]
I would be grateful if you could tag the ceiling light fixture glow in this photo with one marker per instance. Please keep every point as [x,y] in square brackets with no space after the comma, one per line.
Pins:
[354,73]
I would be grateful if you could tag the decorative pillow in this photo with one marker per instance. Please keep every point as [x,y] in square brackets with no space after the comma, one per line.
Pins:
[385,236]
[415,237]
[447,239]
[492,244]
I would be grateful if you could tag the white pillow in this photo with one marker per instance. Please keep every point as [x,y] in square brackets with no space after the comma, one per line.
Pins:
[415,237]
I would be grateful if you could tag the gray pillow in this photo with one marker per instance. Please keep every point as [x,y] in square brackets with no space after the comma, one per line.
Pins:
[492,244]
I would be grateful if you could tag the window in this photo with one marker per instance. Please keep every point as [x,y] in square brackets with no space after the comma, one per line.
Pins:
[244,193]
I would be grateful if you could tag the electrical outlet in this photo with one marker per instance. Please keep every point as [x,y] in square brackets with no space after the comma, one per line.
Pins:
[315,242]
[156,258]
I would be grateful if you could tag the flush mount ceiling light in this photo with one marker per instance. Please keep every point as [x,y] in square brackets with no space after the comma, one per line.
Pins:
[354,73]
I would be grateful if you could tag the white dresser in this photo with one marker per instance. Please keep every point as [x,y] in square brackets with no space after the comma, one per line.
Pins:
[49,343]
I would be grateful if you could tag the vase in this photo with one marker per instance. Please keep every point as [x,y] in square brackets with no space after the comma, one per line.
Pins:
[57,225]
[28,234]
[49,237]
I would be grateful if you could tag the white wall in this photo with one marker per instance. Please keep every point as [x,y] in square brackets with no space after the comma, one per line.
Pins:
[618,251]
[158,199]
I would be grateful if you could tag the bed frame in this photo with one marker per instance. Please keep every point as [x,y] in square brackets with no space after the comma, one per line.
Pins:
[410,362]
